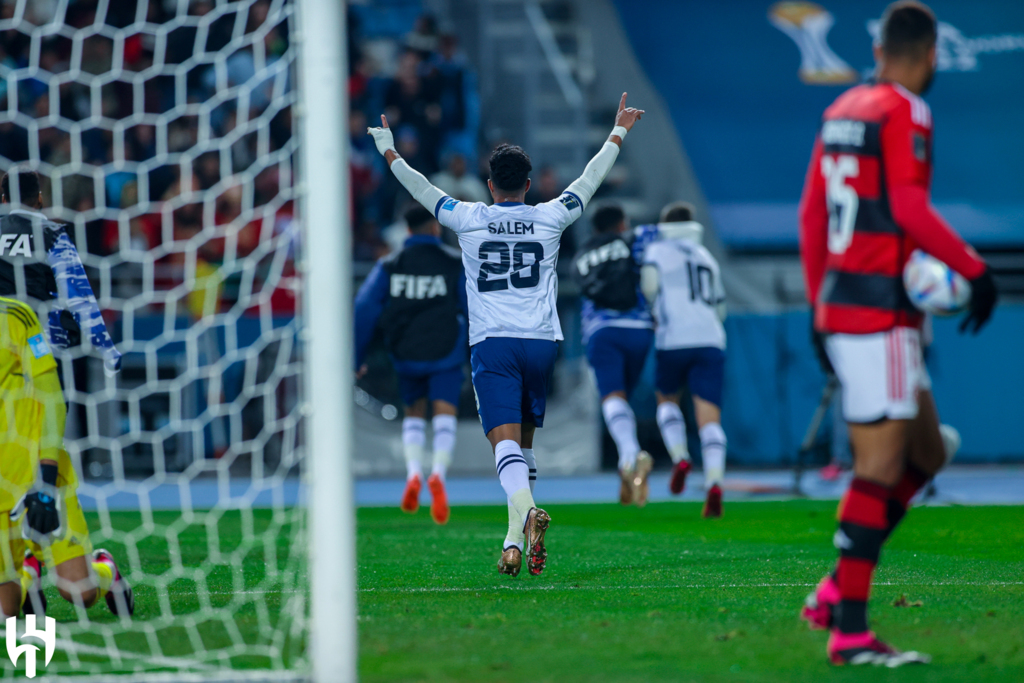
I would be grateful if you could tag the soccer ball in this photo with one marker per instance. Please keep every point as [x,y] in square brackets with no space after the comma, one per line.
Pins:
[933,286]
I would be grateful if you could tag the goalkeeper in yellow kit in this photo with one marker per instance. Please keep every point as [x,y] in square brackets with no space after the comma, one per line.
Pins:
[38,504]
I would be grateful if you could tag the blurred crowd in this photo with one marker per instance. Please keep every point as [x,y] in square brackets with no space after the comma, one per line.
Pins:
[423,84]
[139,141]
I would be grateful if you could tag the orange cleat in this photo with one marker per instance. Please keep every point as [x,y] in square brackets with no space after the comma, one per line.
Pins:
[713,503]
[439,509]
[411,497]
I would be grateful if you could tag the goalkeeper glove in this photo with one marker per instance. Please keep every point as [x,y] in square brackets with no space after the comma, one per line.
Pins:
[983,300]
[818,342]
[383,138]
[41,509]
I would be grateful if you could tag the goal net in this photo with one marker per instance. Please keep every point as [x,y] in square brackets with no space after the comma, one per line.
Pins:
[164,134]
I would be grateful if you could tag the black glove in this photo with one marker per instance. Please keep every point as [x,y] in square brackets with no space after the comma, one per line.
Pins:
[41,510]
[983,300]
[818,342]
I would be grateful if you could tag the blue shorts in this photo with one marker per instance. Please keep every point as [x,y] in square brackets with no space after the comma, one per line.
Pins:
[511,377]
[617,355]
[443,385]
[703,369]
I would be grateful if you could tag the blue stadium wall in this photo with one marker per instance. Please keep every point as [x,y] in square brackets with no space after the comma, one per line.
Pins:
[748,120]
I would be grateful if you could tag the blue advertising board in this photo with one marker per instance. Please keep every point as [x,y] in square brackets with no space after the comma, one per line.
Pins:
[747,82]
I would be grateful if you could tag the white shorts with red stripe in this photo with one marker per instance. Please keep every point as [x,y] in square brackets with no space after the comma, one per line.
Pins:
[880,373]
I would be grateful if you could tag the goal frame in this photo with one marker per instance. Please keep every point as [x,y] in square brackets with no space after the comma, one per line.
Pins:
[323,97]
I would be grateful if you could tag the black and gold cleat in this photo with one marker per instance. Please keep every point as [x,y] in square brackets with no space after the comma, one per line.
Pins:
[511,561]
[537,522]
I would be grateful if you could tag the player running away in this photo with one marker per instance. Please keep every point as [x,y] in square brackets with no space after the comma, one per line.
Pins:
[510,250]
[617,332]
[683,282]
[39,265]
[418,297]
[865,208]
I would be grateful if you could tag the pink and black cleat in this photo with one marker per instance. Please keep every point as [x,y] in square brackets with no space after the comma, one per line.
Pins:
[120,598]
[819,605]
[864,648]
[35,599]
[678,481]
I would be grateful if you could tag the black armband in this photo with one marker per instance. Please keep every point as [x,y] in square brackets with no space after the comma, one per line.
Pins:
[49,474]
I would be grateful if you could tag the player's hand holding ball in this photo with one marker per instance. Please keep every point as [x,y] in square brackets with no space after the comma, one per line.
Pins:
[382,136]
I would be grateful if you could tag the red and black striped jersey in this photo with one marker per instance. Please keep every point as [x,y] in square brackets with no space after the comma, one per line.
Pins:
[875,140]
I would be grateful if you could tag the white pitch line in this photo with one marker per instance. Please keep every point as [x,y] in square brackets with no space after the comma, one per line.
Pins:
[460,589]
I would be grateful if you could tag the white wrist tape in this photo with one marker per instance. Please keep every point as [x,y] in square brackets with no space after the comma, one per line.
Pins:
[620,131]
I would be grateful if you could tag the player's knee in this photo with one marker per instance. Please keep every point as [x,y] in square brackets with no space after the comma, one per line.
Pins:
[87,597]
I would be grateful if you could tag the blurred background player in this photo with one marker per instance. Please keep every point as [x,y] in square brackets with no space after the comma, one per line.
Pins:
[510,251]
[682,281]
[865,208]
[38,502]
[55,273]
[52,271]
[618,332]
[417,296]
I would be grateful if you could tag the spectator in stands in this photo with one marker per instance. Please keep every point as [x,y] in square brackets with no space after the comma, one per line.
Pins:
[457,183]
[413,100]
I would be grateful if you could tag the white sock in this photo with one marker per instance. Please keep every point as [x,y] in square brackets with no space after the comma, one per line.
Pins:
[622,425]
[444,443]
[673,431]
[712,445]
[414,437]
[531,463]
[514,474]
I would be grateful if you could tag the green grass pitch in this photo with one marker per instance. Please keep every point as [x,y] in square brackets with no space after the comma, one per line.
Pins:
[660,594]
[657,594]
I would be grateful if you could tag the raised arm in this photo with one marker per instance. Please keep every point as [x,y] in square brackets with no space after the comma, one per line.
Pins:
[413,181]
[597,170]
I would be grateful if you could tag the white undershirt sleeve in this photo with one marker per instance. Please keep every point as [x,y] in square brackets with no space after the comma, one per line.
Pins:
[417,185]
[650,282]
[594,174]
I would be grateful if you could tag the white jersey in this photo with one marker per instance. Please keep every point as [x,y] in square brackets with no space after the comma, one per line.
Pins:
[690,293]
[509,251]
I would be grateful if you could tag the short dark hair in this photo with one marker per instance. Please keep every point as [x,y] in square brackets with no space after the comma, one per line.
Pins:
[607,218]
[677,212]
[28,186]
[510,167]
[418,219]
[908,29]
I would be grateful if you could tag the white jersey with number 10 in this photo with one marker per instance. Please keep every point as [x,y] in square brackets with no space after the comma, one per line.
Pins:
[691,291]
[509,251]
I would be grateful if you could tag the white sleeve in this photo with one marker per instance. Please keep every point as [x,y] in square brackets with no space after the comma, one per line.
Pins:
[594,174]
[452,214]
[418,186]
[650,282]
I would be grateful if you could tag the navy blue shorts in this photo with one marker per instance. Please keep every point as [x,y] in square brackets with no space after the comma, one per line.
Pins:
[511,377]
[703,369]
[617,355]
[443,385]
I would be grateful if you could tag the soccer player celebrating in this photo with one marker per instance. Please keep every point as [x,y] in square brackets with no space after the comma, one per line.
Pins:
[418,296]
[865,208]
[59,533]
[682,280]
[617,331]
[509,251]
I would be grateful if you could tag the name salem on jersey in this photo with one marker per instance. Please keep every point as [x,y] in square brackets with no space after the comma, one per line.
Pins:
[606,252]
[418,286]
[19,245]
[510,228]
